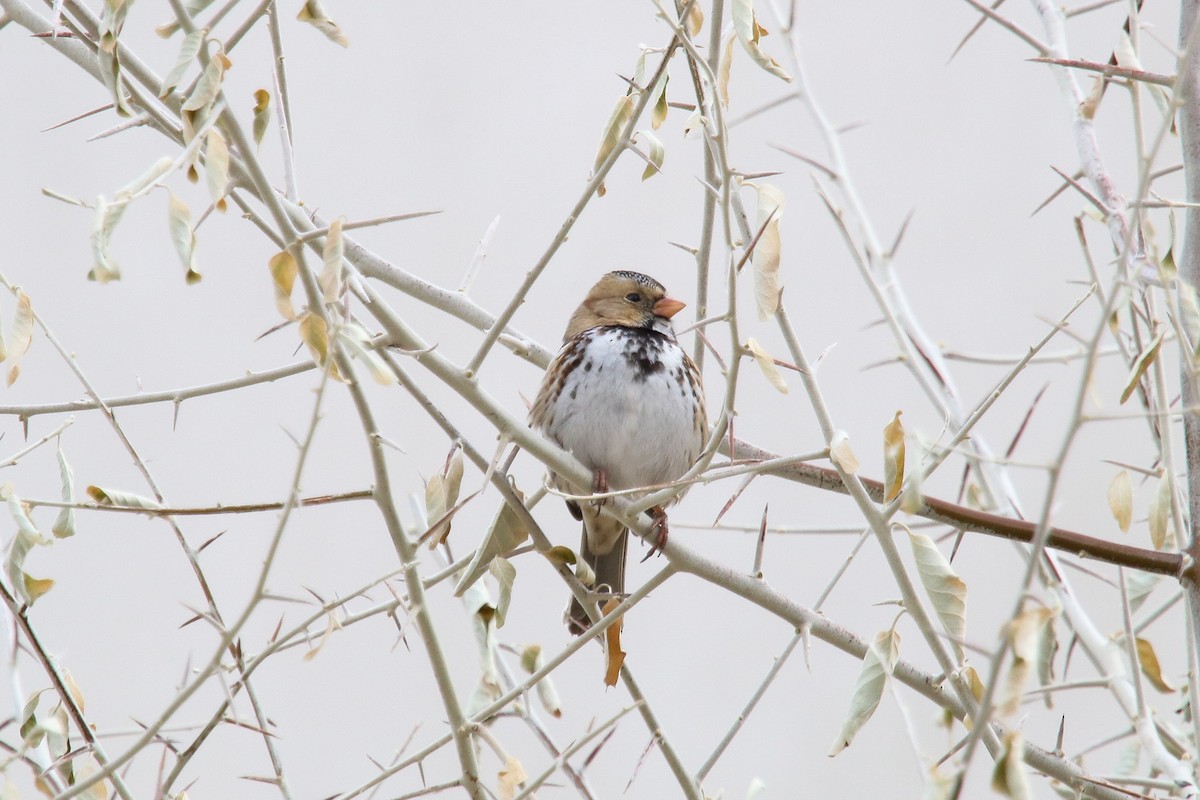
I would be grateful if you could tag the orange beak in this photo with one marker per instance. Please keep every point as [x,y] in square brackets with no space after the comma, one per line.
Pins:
[667,307]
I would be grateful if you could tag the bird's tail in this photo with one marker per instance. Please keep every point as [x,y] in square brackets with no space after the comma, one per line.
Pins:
[610,577]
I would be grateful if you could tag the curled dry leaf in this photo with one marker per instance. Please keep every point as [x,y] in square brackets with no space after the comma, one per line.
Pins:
[1024,638]
[613,129]
[748,31]
[330,278]
[840,453]
[1148,661]
[64,524]
[1141,364]
[283,274]
[505,574]
[877,665]
[115,497]
[893,458]
[947,591]
[658,102]
[723,71]
[510,779]
[1008,776]
[262,114]
[507,533]
[358,346]
[614,656]
[314,332]
[188,51]
[531,662]
[183,236]
[1160,512]
[766,362]
[656,155]
[1120,499]
[216,167]
[765,258]
[209,85]
[314,14]
[21,336]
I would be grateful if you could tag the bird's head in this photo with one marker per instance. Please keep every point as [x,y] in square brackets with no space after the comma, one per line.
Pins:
[625,298]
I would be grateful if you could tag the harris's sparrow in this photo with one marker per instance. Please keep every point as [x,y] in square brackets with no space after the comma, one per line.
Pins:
[625,399]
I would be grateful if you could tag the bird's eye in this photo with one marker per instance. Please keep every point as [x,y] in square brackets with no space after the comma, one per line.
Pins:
[633,297]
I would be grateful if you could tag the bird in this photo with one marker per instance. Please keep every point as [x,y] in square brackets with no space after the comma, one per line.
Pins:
[625,399]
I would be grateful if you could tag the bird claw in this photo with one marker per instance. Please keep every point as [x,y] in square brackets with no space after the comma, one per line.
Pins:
[600,486]
[658,533]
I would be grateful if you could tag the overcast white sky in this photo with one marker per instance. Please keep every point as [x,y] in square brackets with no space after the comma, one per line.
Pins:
[495,110]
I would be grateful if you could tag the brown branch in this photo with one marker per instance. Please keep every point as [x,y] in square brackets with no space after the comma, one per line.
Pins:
[970,519]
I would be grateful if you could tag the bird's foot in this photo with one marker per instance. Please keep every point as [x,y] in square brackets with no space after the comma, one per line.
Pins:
[658,531]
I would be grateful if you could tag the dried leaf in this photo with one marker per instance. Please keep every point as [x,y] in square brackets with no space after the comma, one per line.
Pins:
[64,524]
[531,662]
[183,236]
[22,329]
[358,346]
[73,689]
[723,71]
[840,453]
[1120,499]
[331,624]
[188,50]
[216,167]
[35,587]
[330,279]
[695,20]
[656,155]
[613,129]
[1160,513]
[209,86]
[283,273]
[510,779]
[104,268]
[1047,648]
[765,258]
[947,592]
[26,538]
[613,654]
[109,63]
[766,362]
[560,554]
[482,614]
[974,681]
[658,102]
[507,533]
[314,14]
[1148,660]
[1023,633]
[314,332]
[262,114]
[748,31]
[1141,364]
[1008,776]
[877,665]
[893,458]
[505,574]
[115,497]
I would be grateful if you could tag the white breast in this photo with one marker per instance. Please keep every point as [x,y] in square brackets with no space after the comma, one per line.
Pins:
[628,408]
